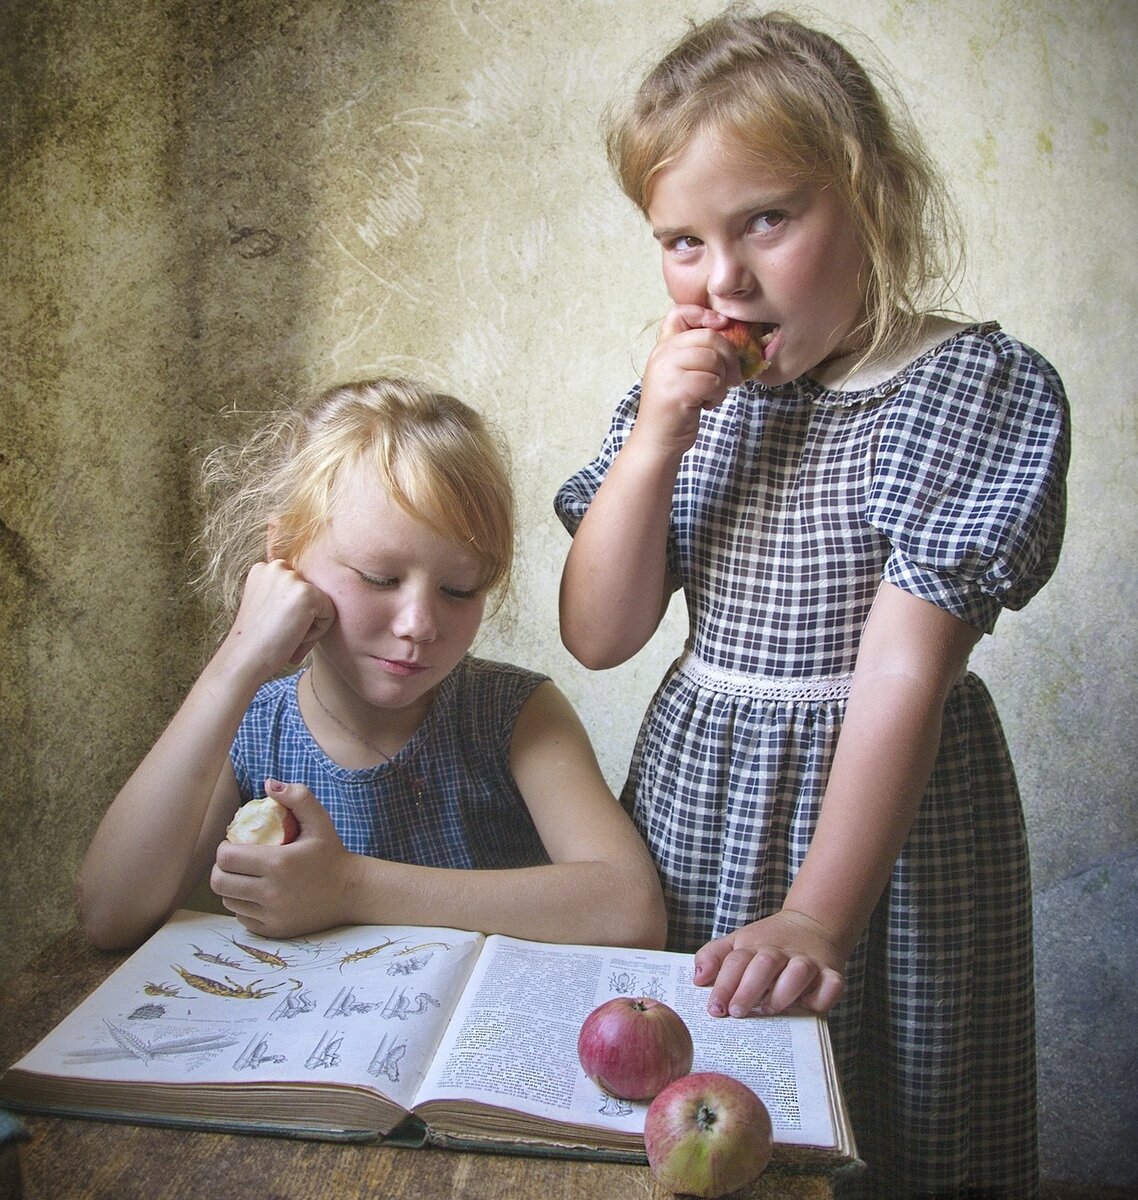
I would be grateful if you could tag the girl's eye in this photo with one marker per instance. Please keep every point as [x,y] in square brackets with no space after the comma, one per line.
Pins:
[682,244]
[764,222]
[393,581]
[373,581]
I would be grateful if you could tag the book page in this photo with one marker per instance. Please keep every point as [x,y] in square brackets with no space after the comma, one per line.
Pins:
[205,1001]
[513,1041]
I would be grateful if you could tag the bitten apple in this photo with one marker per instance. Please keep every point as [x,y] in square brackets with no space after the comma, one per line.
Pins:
[263,822]
[750,342]
[707,1135]
[634,1046]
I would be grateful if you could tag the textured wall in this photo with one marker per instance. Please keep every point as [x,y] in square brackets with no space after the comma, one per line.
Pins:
[208,208]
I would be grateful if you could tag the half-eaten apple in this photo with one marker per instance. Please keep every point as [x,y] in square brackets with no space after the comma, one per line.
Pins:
[750,342]
[263,822]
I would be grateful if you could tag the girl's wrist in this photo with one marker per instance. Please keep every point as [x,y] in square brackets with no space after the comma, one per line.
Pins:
[232,673]
[838,934]
[660,457]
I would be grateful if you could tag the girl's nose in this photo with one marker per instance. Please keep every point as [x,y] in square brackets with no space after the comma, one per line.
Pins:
[728,275]
[415,619]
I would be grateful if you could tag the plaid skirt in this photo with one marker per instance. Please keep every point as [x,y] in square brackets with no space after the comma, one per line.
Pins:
[935,1034]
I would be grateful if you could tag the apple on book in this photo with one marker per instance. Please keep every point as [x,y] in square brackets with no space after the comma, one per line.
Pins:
[633,1047]
[263,822]
[707,1135]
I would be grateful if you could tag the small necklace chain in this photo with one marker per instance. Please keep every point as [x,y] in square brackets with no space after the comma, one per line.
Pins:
[346,728]
[416,781]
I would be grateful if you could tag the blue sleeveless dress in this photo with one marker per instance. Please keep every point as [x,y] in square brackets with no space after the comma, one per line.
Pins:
[447,799]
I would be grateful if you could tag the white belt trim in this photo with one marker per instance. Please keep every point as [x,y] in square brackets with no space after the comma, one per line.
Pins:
[763,687]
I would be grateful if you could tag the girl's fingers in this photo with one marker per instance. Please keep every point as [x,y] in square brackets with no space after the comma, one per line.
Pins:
[825,992]
[708,960]
[795,980]
[744,979]
[685,316]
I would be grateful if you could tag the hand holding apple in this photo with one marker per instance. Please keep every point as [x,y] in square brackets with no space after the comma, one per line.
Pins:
[263,822]
[707,1135]
[634,1046]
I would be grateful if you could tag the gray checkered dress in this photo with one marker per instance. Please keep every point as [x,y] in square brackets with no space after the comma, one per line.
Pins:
[793,505]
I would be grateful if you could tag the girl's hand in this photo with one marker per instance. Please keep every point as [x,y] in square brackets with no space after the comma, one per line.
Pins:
[286,891]
[689,369]
[280,619]
[782,960]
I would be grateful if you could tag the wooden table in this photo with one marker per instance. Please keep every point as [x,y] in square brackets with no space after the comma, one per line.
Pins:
[82,1159]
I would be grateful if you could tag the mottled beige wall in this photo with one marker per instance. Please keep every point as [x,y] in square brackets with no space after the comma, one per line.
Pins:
[224,205]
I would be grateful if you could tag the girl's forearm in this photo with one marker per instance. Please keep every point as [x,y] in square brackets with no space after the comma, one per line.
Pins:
[911,655]
[885,755]
[157,836]
[615,586]
[582,903]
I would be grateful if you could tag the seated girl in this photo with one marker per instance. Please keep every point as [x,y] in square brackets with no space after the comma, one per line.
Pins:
[369,530]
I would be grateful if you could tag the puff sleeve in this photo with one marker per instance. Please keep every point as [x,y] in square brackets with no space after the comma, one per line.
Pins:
[576,493]
[968,481]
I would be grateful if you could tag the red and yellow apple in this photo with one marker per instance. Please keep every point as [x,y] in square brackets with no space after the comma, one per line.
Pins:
[634,1046]
[750,342]
[263,822]
[707,1135]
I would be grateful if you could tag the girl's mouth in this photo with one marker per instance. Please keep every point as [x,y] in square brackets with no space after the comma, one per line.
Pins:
[753,341]
[767,339]
[400,667]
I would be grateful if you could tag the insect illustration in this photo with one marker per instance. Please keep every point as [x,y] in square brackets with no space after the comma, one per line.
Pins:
[263,956]
[422,946]
[161,989]
[360,955]
[147,1012]
[295,1003]
[256,1053]
[218,960]
[229,990]
[399,1006]
[386,1059]
[408,966]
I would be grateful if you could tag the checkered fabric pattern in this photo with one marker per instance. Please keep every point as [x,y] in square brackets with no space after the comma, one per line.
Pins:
[792,507]
[471,813]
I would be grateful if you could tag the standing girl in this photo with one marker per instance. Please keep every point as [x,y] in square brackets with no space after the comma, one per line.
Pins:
[387,517]
[823,785]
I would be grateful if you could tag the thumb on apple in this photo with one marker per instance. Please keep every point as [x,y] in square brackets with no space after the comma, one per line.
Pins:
[306,811]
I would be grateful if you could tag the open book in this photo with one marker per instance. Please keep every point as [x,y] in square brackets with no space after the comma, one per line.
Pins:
[428,1035]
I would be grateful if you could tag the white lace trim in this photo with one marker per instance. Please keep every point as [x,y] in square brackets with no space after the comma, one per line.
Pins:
[764,687]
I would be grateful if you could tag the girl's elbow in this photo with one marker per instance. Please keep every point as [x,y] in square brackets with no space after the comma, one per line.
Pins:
[647,927]
[655,933]
[104,924]
[593,649]
[101,930]
[593,660]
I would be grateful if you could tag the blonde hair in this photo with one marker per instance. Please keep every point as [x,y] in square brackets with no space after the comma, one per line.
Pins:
[792,100]
[435,456]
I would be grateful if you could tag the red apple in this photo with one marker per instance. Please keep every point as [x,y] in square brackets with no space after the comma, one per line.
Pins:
[634,1046]
[750,342]
[263,822]
[707,1135]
